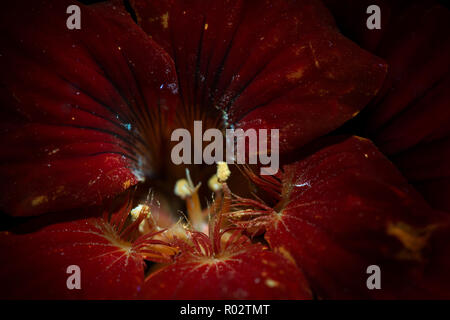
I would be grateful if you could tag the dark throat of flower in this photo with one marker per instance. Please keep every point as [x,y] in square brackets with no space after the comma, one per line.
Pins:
[190,208]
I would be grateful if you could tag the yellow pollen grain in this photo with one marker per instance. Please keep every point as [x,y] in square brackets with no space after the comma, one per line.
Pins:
[165,20]
[271,283]
[223,172]
[206,26]
[38,200]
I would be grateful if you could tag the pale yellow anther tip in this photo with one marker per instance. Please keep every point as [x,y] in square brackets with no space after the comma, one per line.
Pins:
[223,172]
[182,189]
[140,209]
[214,184]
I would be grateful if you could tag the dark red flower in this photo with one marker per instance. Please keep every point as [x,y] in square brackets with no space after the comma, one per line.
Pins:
[87,115]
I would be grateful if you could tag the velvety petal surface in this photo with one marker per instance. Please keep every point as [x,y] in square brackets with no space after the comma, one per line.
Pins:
[409,119]
[252,273]
[346,207]
[75,104]
[34,263]
[264,64]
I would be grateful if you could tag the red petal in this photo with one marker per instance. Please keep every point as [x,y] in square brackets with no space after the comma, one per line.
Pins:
[349,208]
[410,118]
[266,64]
[35,264]
[427,167]
[73,103]
[253,273]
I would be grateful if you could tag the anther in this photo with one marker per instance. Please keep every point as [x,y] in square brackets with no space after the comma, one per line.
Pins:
[182,189]
[141,209]
[223,172]
[214,184]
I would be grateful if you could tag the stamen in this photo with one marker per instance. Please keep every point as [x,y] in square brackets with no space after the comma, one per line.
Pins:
[155,249]
[178,231]
[140,209]
[223,172]
[145,211]
[185,189]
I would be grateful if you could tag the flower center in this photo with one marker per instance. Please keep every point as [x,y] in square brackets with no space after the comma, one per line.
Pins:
[207,233]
